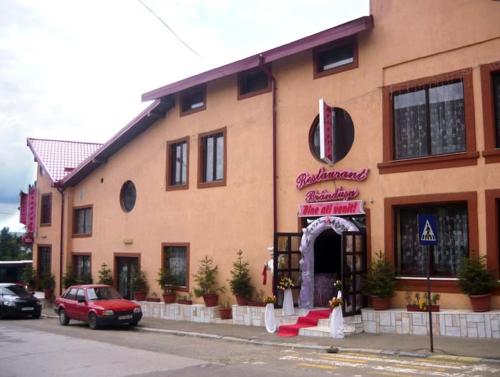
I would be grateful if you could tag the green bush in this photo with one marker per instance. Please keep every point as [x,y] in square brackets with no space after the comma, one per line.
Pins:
[474,278]
[240,281]
[206,278]
[105,276]
[29,276]
[380,279]
[166,280]
[48,281]
[139,282]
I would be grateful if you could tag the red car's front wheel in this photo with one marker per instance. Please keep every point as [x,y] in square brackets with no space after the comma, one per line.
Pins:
[93,321]
[63,318]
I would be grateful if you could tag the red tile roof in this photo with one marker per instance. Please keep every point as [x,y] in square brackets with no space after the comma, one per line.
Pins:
[58,157]
[164,99]
[326,36]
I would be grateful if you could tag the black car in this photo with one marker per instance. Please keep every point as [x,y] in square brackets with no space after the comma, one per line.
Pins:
[15,300]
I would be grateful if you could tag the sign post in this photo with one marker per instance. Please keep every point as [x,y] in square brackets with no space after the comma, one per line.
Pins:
[427,234]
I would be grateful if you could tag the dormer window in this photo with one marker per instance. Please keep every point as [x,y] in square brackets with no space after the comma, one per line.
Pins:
[252,82]
[334,58]
[193,100]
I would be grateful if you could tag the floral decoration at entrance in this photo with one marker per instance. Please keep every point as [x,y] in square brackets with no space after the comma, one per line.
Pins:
[339,225]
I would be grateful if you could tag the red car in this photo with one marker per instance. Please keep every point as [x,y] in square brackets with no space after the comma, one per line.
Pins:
[96,304]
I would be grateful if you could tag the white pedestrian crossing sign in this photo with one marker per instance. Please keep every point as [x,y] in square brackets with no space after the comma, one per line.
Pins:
[427,229]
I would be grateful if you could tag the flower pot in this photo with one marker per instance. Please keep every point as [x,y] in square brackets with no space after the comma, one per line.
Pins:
[381,303]
[225,313]
[185,302]
[256,303]
[211,299]
[153,299]
[416,308]
[169,298]
[140,296]
[49,294]
[480,303]
[242,301]
[270,318]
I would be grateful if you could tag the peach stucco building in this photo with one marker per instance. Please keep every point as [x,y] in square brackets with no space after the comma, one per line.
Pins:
[230,159]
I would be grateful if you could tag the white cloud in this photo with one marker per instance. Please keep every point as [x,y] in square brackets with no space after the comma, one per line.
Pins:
[75,70]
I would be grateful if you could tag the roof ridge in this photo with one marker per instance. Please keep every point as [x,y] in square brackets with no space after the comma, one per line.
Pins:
[66,141]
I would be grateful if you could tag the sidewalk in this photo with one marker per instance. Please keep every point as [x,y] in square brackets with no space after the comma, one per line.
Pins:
[415,346]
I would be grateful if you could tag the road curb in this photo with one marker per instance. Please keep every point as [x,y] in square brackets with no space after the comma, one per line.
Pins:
[418,355]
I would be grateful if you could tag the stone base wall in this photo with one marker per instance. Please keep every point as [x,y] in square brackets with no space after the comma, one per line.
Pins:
[446,323]
[180,312]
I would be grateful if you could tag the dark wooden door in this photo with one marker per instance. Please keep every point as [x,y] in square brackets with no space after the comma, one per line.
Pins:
[353,269]
[127,268]
[286,263]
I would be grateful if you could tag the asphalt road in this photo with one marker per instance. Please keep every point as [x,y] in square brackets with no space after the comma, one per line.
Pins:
[44,348]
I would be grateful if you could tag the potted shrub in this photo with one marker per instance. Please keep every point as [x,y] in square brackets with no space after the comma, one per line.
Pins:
[418,302]
[47,283]
[139,285]
[153,298]
[477,282]
[167,282]
[240,281]
[29,277]
[258,300]
[69,278]
[185,299]
[225,310]
[206,279]
[380,282]
[105,276]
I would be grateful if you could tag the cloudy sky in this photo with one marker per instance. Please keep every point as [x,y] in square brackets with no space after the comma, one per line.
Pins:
[75,70]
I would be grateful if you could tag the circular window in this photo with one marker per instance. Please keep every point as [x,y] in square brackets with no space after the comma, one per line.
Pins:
[127,196]
[342,131]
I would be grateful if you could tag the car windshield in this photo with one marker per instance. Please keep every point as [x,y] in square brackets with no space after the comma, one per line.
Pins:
[16,290]
[102,293]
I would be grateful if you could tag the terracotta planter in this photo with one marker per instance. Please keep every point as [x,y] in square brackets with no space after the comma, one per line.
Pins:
[480,303]
[242,301]
[381,303]
[169,298]
[49,294]
[225,313]
[153,299]
[256,303]
[416,308]
[211,299]
[140,296]
[185,302]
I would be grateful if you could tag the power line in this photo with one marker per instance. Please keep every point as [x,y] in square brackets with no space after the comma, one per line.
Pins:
[169,28]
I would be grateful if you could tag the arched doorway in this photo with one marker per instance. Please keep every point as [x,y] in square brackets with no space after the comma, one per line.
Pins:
[330,238]
[327,265]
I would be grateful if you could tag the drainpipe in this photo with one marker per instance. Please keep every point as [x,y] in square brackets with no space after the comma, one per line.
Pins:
[61,239]
[273,89]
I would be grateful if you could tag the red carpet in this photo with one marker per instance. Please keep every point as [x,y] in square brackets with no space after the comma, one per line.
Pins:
[310,320]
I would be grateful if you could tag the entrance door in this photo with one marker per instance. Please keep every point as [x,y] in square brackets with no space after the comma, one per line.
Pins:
[286,262]
[126,268]
[327,266]
[44,262]
[354,266]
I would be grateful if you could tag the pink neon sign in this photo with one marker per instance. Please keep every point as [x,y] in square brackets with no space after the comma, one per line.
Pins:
[323,175]
[352,207]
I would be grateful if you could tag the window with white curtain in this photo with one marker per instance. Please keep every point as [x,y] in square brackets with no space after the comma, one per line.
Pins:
[452,235]
[429,120]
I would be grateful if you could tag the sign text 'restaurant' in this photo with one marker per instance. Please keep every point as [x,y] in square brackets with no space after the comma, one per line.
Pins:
[308,179]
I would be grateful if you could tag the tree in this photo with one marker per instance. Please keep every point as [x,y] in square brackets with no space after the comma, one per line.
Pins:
[11,247]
